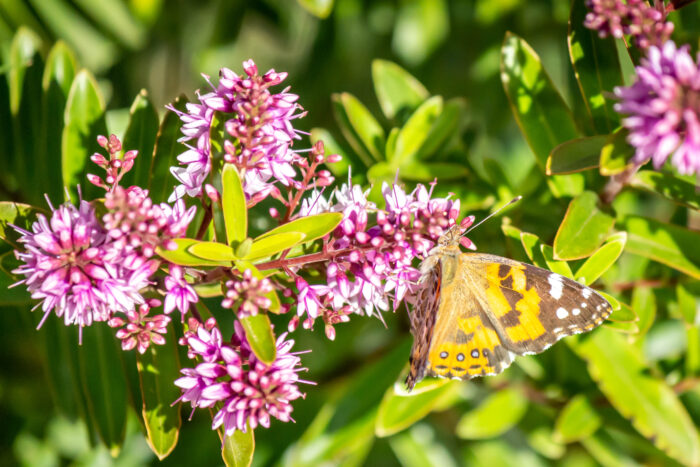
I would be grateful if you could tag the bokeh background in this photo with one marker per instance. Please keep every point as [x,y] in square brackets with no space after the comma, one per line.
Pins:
[326,46]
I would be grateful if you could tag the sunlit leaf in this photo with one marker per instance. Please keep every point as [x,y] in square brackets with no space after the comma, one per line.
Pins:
[578,420]
[670,187]
[426,172]
[238,448]
[362,130]
[421,26]
[258,331]
[21,215]
[167,148]
[421,447]
[498,413]
[140,135]
[583,229]
[397,90]
[183,257]
[416,130]
[212,251]
[234,205]
[273,244]
[560,267]
[616,154]
[602,259]
[644,304]
[575,155]
[312,226]
[444,127]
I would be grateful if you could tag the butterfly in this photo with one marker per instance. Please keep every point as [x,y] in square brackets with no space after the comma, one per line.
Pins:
[475,312]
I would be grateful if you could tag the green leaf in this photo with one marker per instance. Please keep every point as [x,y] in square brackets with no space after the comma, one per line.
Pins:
[420,447]
[312,226]
[428,171]
[212,251]
[644,304]
[444,128]
[578,420]
[140,135]
[397,90]
[167,148]
[158,367]
[21,215]
[273,244]
[601,260]
[420,27]
[242,266]
[649,403]
[102,373]
[416,130]
[319,8]
[597,69]
[688,305]
[182,256]
[498,413]
[670,187]
[576,155]
[583,229]
[238,448]
[258,330]
[119,23]
[399,410]
[84,121]
[541,113]
[616,155]
[362,131]
[560,267]
[234,205]
[533,248]
[668,244]
[58,76]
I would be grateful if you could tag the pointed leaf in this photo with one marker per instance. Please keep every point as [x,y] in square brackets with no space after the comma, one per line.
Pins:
[444,128]
[21,215]
[583,229]
[158,367]
[541,113]
[167,148]
[273,244]
[398,91]
[365,131]
[578,420]
[495,415]
[416,130]
[238,448]
[275,305]
[576,155]
[234,205]
[258,330]
[601,260]
[670,187]
[644,304]
[560,267]
[688,305]
[616,155]
[313,227]
[649,403]
[140,135]
[212,251]
[668,244]
[84,121]
[182,256]
[533,248]
[597,69]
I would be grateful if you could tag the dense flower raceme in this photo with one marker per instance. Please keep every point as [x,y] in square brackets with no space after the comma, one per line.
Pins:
[646,24]
[663,108]
[258,128]
[249,392]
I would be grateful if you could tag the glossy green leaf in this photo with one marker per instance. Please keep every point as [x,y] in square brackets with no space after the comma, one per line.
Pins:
[426,172]
[399,410]
[560,267]
[649,403]
[103,378]
[498,413]
[242,266]
[688,305]
[258,331]
[597,69]
[421,447]
[273,244]
[578,420]
[158,367]
[601,260]
[416,130]
[58,76]
[312,226]
[234,205]
[140,135]
[397,90]
[390,150]
[21,215]
[444,128]
[24,48]
[616,154]
[212,251]
[668,244]
[360,128]
[533,248]
[119,23]
[670,187]
[644,304]
[583,229]
[621,312]
[167,148]
[84,121]
[238,448]
[421,26]
[541,113]
[576,155]
[182,256]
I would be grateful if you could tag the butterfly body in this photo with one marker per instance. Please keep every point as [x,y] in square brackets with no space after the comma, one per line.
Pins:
[475,312]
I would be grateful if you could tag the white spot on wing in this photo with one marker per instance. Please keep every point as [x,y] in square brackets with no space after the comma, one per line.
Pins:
[557,286]
[557,330]
[562,313]
[586,292]
[575,311]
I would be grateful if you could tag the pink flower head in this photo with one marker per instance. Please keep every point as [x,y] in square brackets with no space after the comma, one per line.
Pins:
[140,330]
[179,293]
[646,24]
[248,295]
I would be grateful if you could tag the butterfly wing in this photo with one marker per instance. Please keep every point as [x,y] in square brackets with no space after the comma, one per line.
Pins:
[532,308]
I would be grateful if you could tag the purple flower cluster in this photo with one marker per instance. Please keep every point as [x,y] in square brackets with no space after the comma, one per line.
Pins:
[139,330]
[647,25]
[247,295]
[250,392]
[663,108]
[179,294]
[259,133]
[372,266]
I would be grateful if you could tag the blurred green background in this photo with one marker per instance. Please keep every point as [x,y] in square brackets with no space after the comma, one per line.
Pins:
[453,48]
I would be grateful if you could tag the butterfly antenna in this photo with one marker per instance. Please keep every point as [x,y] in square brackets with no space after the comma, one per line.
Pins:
[512,201]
